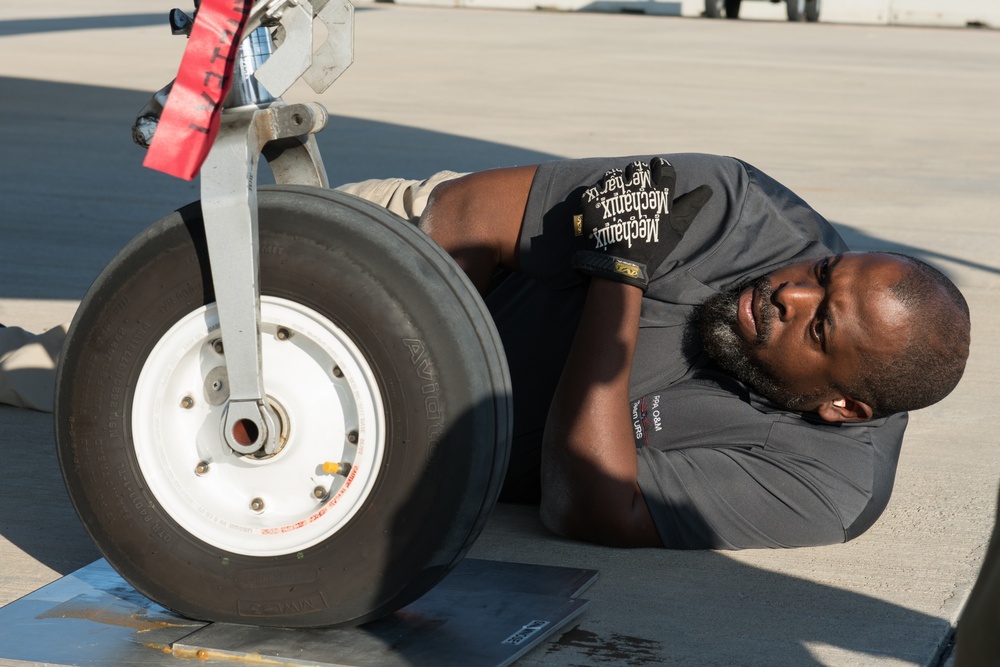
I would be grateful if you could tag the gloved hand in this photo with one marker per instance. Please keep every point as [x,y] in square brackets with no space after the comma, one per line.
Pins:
[629,224]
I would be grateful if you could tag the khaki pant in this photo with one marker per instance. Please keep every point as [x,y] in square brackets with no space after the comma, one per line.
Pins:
[405,198]
[28,361]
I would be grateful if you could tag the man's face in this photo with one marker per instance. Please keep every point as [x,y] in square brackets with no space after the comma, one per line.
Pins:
[806,327]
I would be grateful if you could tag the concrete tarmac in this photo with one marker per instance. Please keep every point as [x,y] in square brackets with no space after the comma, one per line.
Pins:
[891,133]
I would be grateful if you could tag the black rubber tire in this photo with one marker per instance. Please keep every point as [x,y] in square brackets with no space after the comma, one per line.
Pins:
[733,9]
[796,9]
[812,10]
[714,8]
[387,285]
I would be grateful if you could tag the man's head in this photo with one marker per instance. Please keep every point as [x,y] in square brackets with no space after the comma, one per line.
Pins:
[852,337]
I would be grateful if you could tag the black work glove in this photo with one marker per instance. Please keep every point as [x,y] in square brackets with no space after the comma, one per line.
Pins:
[629,223]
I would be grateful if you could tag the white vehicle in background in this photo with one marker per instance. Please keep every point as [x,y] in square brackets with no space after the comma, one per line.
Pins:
[798,10]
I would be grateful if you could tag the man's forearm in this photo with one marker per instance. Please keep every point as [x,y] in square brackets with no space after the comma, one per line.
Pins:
[589,465]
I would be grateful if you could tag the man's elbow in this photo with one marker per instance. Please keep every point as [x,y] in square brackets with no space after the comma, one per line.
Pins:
[555,511]
[571,525]
[600,525]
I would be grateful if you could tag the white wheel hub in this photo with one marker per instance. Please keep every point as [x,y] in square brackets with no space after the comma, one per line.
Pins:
[324,400]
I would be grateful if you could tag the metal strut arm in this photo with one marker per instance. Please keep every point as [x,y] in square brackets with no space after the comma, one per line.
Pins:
[253,123]
[229,208]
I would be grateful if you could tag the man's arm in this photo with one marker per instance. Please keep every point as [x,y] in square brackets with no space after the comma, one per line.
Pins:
[589,464]
[477,220]
[589,477]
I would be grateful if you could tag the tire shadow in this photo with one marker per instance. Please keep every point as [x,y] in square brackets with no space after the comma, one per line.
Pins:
[36,516]
[74,190]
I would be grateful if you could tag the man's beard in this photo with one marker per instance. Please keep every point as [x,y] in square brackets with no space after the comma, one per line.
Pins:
[717,322]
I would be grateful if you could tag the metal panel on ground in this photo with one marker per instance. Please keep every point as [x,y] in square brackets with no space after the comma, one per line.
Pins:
[483,613]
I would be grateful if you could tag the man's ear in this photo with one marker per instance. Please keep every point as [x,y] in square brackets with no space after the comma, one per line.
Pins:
[844,409]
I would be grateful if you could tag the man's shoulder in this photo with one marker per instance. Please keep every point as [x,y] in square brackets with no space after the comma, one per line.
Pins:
[751,225]
[756,475]
[710,408]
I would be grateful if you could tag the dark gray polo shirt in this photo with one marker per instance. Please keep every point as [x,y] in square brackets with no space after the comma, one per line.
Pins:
[718,466]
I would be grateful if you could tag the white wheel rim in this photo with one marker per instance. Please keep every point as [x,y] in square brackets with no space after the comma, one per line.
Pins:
[327,397]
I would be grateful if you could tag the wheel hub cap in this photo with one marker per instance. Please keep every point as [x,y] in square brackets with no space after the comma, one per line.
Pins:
[329,440]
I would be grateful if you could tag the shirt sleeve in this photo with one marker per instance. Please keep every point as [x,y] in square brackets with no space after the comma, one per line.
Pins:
[718,470]
[735,498]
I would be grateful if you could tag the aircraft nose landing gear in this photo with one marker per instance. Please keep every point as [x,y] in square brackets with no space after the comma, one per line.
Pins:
[282,407]
[387,395]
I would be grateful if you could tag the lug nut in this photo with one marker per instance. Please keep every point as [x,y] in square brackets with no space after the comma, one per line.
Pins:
[283,333]
[337,373]
[217,346]
[187,402]
[201,468]
[257,505]
[319,492]
[352,437]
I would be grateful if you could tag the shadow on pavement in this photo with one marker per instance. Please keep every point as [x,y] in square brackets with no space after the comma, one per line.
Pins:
[35,512]
[659,607]
[737,614]
[74,190]
[858,239]
[28,26]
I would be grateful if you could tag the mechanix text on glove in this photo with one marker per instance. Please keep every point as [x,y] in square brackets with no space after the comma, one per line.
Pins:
[622,221]
[628,215]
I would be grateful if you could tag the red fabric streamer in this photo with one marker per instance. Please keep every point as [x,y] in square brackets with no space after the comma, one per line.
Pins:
[190,119]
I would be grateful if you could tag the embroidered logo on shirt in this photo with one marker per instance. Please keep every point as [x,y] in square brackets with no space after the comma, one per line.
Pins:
[645,416]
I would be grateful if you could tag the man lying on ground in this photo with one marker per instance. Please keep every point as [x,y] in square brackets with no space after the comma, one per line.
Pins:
[697,360]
